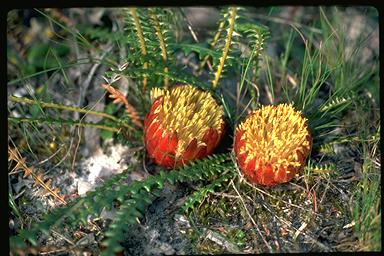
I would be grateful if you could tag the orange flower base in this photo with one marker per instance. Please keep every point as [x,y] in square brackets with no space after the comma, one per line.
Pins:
[272,144]
[183,124]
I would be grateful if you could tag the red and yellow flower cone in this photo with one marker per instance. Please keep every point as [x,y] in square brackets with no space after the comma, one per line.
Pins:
[272,144]
[183,124]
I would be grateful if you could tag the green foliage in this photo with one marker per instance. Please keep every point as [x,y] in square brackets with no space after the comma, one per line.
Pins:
[225,47]
[365,208]
[326,170]
[148,41]
[126,215]
[13,206]
[199,195]
[201,49]
[323,68]
[43,57]
[133,199]
[367,215]
[365,204]
[227,40]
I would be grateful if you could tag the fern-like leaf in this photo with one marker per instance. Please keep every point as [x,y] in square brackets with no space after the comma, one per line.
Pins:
[141,38]
[129,211]
[162,43]
[199,195]
[14,154]
[216,38]
[138,195]
[336,104]
[228,40]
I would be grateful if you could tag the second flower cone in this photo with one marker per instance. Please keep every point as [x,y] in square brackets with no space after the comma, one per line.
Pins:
[272,144]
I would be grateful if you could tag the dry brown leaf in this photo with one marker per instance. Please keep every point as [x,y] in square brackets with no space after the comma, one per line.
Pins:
[14,155]
[120,98]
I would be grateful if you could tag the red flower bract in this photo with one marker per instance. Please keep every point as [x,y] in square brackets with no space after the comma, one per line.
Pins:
[184,123]
[272,144]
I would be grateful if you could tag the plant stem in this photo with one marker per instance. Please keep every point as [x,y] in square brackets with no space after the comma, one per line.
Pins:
[64,107]
[61,122]
[139,33]
[214,42]
[233,11]
[162,43]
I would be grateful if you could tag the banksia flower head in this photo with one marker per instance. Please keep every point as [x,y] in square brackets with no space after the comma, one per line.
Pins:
[272,144]
[183,124]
